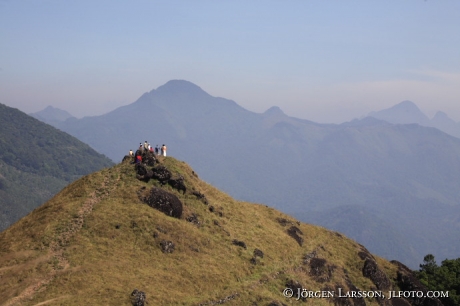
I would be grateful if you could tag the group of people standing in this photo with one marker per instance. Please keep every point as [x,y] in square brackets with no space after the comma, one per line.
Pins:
[147,147]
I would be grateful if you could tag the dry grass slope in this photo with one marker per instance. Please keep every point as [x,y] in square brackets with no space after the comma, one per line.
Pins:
[95,241]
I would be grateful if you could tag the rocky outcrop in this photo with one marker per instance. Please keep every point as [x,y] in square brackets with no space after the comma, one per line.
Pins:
[320,271]
[407,281]
[178,184]
[164,201]
[377,276]
[162,174]
[143,173]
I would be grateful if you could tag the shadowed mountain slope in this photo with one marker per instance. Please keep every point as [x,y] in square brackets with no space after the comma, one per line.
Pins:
[101,237]
[36,161]
[407,175]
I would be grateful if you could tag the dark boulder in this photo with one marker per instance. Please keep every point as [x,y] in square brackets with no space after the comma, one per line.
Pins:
[148,158]
[377,276]
[138,298]
[320,270]
[142,173]
[164,201]
[407,281]
[296,287]
[239,243]
[162,174]
[178,184]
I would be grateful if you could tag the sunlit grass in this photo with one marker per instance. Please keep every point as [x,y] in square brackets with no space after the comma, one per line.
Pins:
[116,248]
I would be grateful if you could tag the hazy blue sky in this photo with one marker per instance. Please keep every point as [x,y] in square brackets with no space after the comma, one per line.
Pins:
[326,61]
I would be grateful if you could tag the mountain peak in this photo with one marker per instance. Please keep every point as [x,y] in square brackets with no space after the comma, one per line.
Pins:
[274,110]
[405,112]
[51,113]
[179,86]
[407,106]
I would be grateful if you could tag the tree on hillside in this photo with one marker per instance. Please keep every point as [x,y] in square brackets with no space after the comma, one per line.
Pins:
[441,278]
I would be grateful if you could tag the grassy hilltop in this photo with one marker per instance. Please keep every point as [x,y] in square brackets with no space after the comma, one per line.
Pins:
[96,241]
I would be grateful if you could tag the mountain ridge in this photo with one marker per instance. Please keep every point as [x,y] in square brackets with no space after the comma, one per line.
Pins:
[407,112]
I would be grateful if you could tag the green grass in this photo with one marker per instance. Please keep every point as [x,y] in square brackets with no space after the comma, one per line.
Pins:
[101,264]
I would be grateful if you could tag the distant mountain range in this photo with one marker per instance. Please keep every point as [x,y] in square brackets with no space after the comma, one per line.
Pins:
[36,162]
[407,112]
[378,182]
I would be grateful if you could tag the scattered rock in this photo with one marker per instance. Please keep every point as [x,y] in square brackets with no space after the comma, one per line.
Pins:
[148,158]
[320,270]
[142,173]
[167,246]
[164,201]
[364,253]
[162,174]
[138,298]
[295,286]
[377,276]
[239,243]
[407,281]
[200,196]
[258,253]
[306,259]
[284,222]
[194,219]
[178,184]
[294,232]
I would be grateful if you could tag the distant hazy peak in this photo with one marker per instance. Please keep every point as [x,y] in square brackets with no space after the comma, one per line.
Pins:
[441,116]
[445,124]
[274,110]
[405,112]
[52,113]
[179,86]
[406,106]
